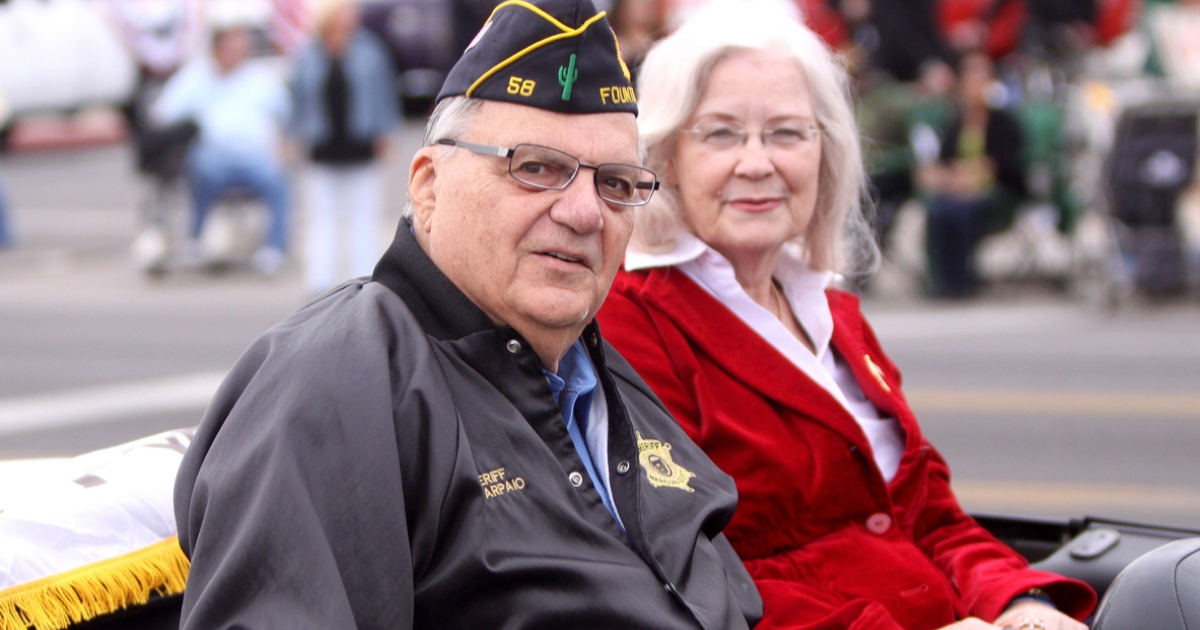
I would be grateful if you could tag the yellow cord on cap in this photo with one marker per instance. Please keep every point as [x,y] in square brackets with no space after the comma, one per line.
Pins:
[567,32]
[620,59]
[521,3]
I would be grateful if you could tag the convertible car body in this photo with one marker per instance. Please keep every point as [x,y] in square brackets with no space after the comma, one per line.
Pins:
[89,542]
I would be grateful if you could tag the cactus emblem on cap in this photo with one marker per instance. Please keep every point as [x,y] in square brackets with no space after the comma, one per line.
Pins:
[567,77]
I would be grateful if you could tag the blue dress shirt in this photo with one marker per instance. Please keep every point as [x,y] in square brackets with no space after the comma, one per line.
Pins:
[574,388]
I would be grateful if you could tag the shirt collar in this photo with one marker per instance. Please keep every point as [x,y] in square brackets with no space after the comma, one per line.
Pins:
[575,378]
[803,287]
[443,311]
[684,248]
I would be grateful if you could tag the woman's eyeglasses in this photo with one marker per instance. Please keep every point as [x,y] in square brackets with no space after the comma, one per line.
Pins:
[721,135]
[551,169]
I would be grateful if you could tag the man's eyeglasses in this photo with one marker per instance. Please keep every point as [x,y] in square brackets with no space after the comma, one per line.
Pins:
[721,135]
[551,169]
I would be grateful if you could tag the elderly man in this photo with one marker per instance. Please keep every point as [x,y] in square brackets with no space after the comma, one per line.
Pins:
[451,443]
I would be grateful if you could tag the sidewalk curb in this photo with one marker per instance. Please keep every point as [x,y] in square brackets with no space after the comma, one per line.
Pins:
[47,133]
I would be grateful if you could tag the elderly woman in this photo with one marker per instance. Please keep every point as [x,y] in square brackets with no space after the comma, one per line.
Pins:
[846,517]
[344,108]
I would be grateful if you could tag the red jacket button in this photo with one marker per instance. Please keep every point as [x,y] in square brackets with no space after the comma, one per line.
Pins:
[878,523]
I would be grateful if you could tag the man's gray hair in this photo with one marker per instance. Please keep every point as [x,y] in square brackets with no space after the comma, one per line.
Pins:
[670,84]
[449,119]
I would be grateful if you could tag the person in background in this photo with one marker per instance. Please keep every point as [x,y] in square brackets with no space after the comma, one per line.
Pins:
[1059,29]
[6,237]
[637,23]
[901,37]
[846,517]
[343,105]
[1168,26]
[974,185]
[162,35]
[241,109]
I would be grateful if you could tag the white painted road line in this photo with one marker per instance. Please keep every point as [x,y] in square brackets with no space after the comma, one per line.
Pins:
[1074,497]
[1045,403]
[107,403]
[192,392]
[970,321]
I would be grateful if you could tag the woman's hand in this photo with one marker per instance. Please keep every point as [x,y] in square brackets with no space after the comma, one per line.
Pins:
[1034,615]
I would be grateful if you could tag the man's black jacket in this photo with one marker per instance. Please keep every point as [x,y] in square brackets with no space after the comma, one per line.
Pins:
[387,457]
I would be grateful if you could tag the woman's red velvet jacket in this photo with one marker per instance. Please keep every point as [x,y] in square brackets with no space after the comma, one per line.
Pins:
[829,543]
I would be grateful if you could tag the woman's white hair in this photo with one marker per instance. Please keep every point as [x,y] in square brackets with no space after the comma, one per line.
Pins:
[670,82]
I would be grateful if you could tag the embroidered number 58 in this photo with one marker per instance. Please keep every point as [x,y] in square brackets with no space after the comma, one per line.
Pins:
[517,85]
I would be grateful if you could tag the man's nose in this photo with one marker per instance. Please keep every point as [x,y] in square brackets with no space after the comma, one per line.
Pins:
[580,207]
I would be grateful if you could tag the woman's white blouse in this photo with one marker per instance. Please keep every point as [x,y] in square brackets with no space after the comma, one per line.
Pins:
[805,292]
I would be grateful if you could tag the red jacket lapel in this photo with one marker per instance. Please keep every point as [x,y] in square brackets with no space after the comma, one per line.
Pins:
[876,374]
[747,356]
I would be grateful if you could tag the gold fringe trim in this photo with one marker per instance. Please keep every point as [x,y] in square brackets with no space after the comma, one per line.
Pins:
[56,602]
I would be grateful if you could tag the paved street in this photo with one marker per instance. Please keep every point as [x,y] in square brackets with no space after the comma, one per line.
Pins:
[1041,406]
[1045,409]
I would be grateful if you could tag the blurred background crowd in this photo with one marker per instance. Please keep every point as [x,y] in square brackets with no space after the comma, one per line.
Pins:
[1047,140]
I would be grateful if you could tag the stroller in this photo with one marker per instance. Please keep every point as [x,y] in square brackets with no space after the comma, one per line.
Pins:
[231,232]
[161,155]
[1152,161]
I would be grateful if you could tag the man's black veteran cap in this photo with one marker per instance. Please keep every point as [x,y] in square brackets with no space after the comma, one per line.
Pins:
[559,55]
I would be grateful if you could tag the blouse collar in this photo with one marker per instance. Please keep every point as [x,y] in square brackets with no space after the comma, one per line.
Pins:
[803,287]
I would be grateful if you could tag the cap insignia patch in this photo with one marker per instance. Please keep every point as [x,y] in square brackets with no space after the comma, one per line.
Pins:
[567,77]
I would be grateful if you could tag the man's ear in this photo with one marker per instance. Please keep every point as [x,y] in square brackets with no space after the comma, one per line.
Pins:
[422,189]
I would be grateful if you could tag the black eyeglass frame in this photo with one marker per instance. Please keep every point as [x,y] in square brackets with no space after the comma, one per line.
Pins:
[484,149]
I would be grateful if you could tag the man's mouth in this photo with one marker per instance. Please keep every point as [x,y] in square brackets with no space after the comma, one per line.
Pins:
[565,257]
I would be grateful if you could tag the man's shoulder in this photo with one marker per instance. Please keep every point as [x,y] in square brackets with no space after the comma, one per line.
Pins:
[355,310]
[356,327]
[344,353]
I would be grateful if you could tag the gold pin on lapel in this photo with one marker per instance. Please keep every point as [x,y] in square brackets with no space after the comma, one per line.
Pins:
[877,372]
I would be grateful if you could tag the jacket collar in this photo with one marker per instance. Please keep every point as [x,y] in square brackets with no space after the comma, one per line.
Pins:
[444,311]
[803,287]
[754,362]
[748,357]
[448,315]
